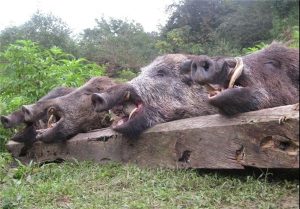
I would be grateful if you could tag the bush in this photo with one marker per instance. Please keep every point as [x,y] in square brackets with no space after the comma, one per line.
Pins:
[28,72]
[255,48]
[125,75]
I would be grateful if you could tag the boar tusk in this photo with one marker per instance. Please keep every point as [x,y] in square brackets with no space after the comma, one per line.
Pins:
[237,71]
[49,124]
[209,88]
[127,96]
[132,112]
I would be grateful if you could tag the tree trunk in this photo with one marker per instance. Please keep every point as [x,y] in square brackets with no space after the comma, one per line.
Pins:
[267,138]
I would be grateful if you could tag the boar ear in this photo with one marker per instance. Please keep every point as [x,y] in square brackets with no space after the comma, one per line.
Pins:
[99,102]
[229,63]
[185,67]
[226,64]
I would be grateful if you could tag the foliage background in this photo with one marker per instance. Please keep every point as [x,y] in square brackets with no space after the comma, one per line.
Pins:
[29,71]
[43,53]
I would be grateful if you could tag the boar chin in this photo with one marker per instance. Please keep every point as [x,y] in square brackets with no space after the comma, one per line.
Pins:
[26,135]
[127,110]
[133,124]
[51,132]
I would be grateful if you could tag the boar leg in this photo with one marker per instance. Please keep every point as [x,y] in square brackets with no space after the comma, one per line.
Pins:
[237,100]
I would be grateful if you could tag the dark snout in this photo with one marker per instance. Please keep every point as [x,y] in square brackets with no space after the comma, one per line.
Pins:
[99,102]
[6,121]
[202,70]
[28,113]
[12,120]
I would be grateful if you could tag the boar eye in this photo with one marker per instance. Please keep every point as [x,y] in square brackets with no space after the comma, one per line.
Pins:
[273,63]
[161,73]
[89,91]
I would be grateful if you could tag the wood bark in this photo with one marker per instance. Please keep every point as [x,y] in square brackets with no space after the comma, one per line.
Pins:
[267,138]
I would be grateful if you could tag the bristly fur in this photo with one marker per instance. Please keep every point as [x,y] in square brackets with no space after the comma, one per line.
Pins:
[270,78]
[28,134]
[75,111]
[166,95]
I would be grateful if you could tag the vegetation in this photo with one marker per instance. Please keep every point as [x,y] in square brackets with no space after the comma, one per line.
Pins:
[214,27]
[88,185]
[46,30]
[40,70]
[119,44]
[42,54]
[221,27]
[125,75]
[28,72]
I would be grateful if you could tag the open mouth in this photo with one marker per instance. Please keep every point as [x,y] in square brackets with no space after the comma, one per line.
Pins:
[127,110]
[234,82]
[53,119]
[18,132]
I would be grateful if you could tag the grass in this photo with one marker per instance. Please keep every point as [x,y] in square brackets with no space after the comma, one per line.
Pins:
[89,185]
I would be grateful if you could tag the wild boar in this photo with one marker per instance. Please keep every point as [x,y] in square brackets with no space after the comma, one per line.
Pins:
[264,79]
[160,93]
[69,114]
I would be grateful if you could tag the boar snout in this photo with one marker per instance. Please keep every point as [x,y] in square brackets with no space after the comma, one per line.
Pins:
[13,119]
[202,69]
[6,122]
[99,102]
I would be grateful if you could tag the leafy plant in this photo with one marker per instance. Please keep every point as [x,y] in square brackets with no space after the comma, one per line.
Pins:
[28,72]
[125,75]
[118,42]
[5,159]
[44,29]
[255,48]
[295,37]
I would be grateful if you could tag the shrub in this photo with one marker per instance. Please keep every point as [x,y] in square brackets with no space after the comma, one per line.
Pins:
[125,75]
[28,72]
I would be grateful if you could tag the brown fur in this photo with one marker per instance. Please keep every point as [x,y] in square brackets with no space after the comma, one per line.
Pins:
[161,92]
[270,78]
[28,134]
[74,111]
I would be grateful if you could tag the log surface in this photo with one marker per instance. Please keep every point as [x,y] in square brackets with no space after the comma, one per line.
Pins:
[267,138]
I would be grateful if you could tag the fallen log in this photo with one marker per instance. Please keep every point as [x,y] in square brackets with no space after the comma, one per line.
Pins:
[267,138]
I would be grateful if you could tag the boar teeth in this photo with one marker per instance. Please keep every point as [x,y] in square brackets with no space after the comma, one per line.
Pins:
[213,93]
[127,96]
[237,71]
[132,112]
[51,122]
[209,88]
[120,122]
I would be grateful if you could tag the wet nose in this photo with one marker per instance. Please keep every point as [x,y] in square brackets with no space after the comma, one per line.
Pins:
[5,121]
[200,70]
[99,102]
